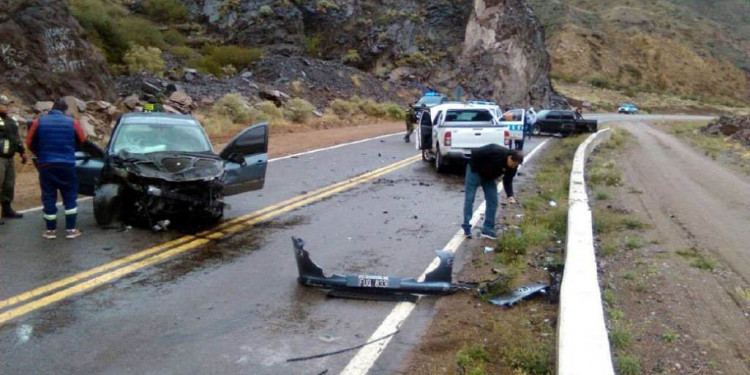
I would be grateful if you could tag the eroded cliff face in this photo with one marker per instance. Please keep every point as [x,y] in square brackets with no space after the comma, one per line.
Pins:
[43,54]
[504,55]
[492,49]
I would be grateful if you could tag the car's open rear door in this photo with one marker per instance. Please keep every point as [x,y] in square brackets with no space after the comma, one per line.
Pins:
[245,160]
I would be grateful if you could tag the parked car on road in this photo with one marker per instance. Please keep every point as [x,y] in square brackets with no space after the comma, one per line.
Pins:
[429,99]
[162,166]
[448,132]
[628,109]
[563,122]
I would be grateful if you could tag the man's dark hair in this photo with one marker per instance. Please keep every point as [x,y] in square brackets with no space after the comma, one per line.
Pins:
[60,105]
[517,156]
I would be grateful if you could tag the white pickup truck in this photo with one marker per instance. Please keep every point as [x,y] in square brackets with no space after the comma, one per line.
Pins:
[450,131]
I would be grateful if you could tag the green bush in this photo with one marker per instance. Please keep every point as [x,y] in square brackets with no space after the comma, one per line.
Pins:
[165,11]
[298,110]
[182,52]
[174,37]
[312,45]
[599,82]
[237,56]
[265,11]
[372,108]
[341,108]
[206,65]
[269,108]
[394,111]
[233,106]
[98,18]
[144,59]
[140,31]
[351,57]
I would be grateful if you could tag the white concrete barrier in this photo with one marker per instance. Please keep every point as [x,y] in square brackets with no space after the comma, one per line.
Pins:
[582,341]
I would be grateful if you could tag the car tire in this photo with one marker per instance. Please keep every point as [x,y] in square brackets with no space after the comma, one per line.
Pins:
[425,156]
[439,163]
[536,130]
[107,204]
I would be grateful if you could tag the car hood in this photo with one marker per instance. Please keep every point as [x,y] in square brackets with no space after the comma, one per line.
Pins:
[172,166]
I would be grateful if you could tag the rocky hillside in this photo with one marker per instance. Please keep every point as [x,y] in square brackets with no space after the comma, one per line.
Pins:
[492,49]
[43,53]
[695,49]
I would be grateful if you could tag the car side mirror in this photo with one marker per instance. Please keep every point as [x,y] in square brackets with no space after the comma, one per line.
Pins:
[237,158]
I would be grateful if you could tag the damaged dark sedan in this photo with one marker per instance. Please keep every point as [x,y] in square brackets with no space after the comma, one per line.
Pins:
[160,166]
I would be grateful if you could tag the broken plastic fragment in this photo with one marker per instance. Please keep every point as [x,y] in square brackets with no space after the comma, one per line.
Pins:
[439,281]
[519,294]
[553,204]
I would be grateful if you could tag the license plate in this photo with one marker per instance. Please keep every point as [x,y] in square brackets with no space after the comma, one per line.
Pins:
[369,281]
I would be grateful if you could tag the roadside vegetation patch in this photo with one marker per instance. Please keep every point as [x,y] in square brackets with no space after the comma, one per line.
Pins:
[717,147]
[472,336]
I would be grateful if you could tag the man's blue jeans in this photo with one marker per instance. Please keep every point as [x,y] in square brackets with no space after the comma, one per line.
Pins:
[473,181]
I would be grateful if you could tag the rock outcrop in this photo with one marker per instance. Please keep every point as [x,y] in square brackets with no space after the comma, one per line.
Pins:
[735,127]
[490,49]
[43,54]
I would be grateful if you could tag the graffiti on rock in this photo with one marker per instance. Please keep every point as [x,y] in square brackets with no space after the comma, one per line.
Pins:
[11,57]
[58,43]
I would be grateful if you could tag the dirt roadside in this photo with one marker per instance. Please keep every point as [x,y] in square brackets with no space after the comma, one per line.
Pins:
[675,270]
[280,144]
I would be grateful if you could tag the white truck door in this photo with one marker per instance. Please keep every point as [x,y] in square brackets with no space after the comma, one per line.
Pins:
[514,120]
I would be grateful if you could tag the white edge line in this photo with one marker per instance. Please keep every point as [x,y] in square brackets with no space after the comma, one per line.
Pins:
[270,161]
[365,358]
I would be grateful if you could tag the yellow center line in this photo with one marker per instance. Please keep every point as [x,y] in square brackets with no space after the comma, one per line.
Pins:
[194,242]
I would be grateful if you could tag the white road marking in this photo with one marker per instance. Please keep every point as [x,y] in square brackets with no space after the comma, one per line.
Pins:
[270,161]
[366,357]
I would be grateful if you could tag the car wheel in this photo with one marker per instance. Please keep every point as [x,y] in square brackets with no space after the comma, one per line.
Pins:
[425,155]
[536,130]
[107,204]
[439,163]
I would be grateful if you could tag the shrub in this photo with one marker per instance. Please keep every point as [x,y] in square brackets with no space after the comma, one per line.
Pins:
[298,110]
[394,111]
[174,37]
[165,11]
[99,19]
[237,56]
[265,11]
[599,82]
[312,45]
[357,80]
[141,31]
[372,108]
[205,64]
[417,59]
[269,108]
[351,57]
[182,52]
[342,108]
[233,106]
[144,59]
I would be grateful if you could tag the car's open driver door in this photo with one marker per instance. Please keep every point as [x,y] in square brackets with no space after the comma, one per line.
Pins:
[245,160]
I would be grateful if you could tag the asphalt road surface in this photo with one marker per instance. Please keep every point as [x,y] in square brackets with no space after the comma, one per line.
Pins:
[226,301]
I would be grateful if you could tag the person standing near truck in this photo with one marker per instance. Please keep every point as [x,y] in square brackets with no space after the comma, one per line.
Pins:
[54,139]
[486,165]
[411,116]
[10,145]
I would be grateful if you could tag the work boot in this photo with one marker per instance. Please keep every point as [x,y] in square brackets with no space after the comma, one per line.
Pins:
[8,212]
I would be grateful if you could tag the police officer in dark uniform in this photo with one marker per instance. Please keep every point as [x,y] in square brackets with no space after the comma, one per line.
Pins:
[411,119]
[10,145]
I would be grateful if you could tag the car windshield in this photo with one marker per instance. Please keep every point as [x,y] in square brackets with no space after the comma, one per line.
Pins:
[169,135]
[430,100]
[468,115]
[628,105]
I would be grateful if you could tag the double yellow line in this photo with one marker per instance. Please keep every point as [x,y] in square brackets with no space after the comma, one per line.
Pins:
[50,293]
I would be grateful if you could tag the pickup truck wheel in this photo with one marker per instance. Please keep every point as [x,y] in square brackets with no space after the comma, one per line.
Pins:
[536,130]
[425,155]
[107,204]
[439,163]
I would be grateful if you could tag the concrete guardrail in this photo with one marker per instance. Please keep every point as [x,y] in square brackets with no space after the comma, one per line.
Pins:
[582,341]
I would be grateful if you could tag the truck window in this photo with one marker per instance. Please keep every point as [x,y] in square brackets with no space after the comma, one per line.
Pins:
[567,116]
[553,116]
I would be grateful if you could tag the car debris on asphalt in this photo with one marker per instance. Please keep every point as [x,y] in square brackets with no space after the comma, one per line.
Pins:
[437,282]
[521,293]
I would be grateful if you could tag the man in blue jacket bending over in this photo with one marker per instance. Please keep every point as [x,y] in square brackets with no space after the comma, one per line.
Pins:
[54,139]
